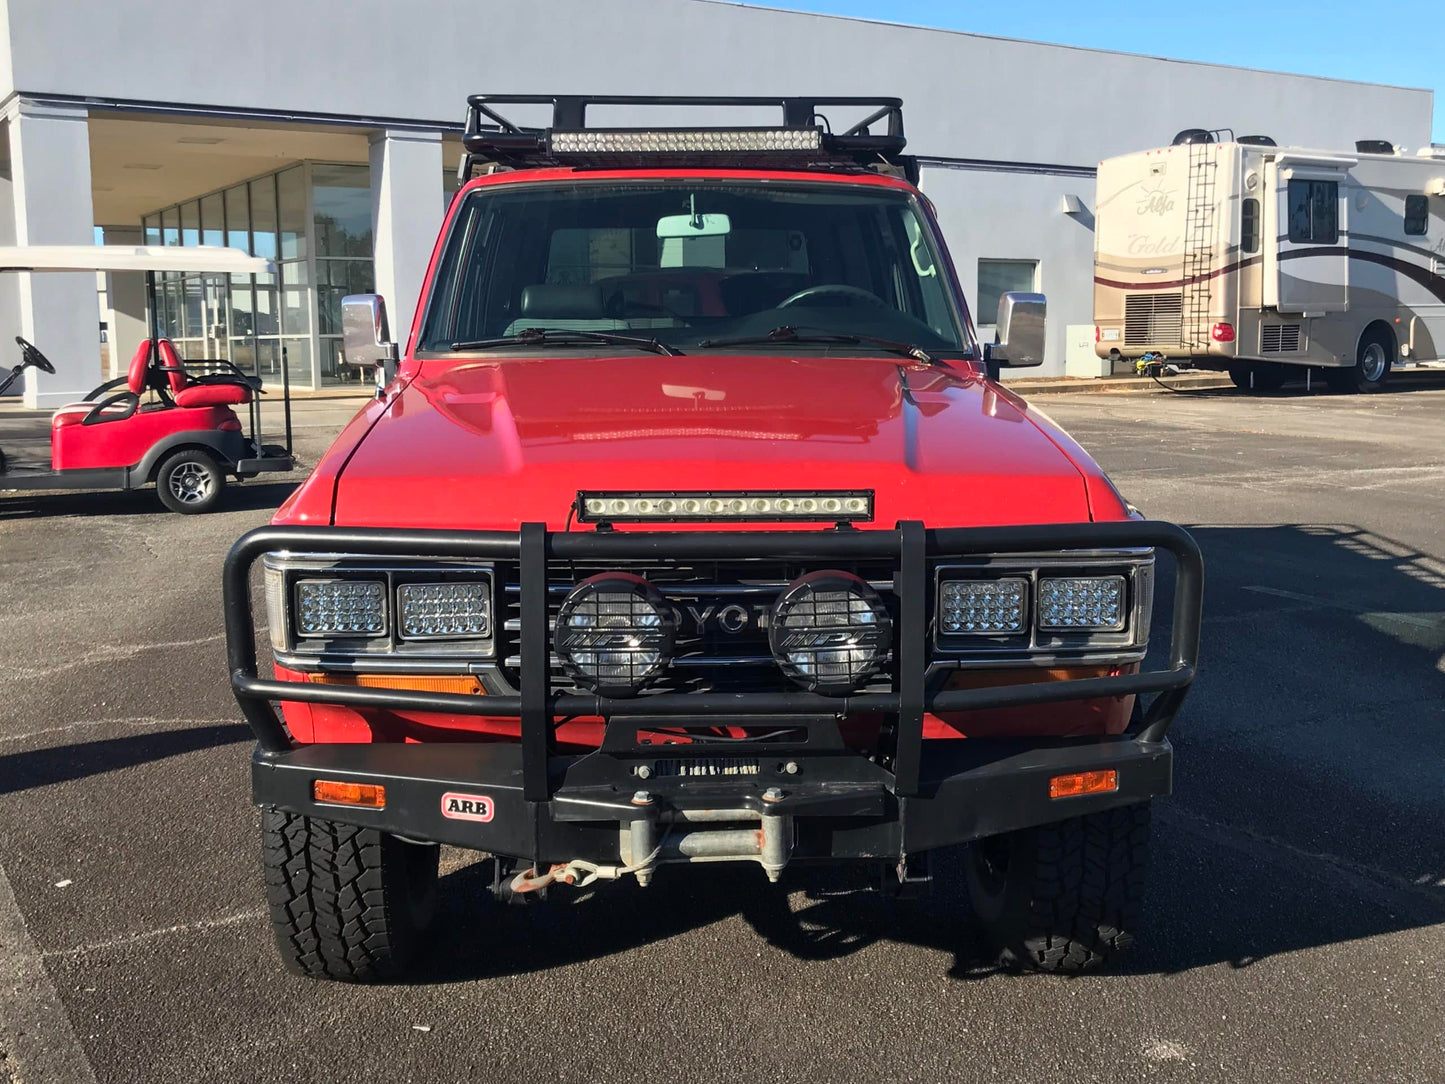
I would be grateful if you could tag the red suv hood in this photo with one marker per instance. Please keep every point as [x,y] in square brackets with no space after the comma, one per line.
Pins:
[497,443]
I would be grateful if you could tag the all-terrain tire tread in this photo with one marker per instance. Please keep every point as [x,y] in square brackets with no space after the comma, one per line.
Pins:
[333,898]
[1086,892]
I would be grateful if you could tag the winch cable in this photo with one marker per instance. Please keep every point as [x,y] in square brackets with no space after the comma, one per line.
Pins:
[579,873]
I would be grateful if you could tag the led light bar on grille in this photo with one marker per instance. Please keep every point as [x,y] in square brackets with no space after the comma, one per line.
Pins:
[341,607]
[703,507]
[1085,603]
[983,607]
[684,140]
[433,611]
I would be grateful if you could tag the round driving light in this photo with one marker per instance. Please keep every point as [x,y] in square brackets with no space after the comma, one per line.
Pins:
[830,632]
[615,633]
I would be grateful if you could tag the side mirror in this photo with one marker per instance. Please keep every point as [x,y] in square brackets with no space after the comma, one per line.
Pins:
[1020,332]
[365,336]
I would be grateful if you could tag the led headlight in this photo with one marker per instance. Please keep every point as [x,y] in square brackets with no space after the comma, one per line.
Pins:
[1082,603]
[340,607]
[983,607]
[435,611]
[830,632]
[615,633]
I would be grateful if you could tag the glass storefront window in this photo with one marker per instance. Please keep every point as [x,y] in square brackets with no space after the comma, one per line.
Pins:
[238,218]
[170,232]
[336,279]
[297,353]
[152,226]
[341,198]
[263,217]
[295,298]
[243,307]
[213,230]
[291,199]
[190,224]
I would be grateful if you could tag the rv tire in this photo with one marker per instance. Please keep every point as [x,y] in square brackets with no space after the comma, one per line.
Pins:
[1374,358]
[1258,377]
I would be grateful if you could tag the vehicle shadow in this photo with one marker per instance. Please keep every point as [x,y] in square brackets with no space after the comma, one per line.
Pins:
[1306,809]
[59,764]
[251,497]
[1399,384]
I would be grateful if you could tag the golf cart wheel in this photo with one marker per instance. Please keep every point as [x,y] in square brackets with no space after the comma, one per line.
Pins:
[1373,360]
[190,482]
[347,903]
[1064,896]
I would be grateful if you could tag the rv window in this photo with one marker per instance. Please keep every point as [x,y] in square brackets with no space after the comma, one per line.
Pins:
[1417,215]
[1314,212]
[1249,225]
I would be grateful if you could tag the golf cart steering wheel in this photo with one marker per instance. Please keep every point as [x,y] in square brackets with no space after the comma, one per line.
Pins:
[30,355]
[851,296]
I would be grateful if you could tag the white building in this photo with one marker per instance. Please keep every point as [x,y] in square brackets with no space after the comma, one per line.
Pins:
[324,134]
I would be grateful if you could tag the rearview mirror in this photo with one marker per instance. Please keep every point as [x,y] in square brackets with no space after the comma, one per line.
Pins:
[365,336]
[694,225]
[1020,331]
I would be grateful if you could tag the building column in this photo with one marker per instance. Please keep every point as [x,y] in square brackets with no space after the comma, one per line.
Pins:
[126,291]
[406,212]
[49,204]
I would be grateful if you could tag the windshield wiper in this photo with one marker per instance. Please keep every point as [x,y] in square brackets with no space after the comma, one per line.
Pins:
[790,334]
[539,336]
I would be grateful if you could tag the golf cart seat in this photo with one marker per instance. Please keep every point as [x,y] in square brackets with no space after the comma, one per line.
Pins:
[218,389]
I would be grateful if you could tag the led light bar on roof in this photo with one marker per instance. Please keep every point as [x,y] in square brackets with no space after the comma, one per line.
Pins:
[831,506]
[686,141]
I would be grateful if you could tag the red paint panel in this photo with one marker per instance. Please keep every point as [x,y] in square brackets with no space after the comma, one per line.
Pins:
[124,443]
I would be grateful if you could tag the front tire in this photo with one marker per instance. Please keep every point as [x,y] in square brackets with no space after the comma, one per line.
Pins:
[1063,896]
[1374,359]
[347,903]
[190,482]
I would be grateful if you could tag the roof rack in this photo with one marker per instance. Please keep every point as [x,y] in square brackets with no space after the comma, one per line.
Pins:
[805,139]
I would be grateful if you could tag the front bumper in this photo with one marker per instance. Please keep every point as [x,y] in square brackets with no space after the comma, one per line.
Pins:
[812,798]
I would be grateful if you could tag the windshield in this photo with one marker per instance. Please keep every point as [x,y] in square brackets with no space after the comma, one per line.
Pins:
[690,262]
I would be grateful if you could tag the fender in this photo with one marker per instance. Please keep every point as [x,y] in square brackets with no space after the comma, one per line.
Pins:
[229,448]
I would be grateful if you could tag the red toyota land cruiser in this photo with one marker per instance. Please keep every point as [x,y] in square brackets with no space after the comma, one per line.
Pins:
[690,525]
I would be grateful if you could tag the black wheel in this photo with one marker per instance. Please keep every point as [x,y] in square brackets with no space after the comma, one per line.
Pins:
[347,903]
[190,482]
[1063,896]
[1373,360]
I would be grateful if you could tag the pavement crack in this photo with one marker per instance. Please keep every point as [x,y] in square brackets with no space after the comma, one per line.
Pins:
[106,653]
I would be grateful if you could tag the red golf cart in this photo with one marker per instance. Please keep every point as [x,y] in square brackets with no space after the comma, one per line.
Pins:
[167,421]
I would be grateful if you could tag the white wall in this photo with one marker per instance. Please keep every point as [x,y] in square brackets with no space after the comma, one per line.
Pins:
[1012,216]
[967,96]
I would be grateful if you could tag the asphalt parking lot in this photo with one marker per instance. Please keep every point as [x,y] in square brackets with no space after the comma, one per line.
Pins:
[1295,925]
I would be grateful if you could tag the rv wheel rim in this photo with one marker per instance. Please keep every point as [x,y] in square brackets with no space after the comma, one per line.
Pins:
[191,483]
[1373,363]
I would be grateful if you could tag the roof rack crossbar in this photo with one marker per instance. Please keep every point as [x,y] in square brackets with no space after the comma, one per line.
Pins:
[505,143]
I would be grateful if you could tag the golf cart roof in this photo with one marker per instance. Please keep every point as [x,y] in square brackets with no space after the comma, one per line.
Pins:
[197,258]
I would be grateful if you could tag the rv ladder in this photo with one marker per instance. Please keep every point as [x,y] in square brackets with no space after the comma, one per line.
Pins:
[1200,230]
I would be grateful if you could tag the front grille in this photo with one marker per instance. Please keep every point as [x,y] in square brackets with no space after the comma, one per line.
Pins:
[723,608]
[1279,339]
[1153,319]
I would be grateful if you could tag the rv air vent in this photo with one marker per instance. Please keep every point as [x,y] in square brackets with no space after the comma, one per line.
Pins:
[1374,146]
[1258,141]
[1279,339]
[1153,319]
[1194,135]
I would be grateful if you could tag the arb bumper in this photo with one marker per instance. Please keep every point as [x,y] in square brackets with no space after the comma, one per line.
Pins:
[806,797]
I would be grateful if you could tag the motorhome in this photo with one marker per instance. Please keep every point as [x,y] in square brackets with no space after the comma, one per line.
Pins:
[1271,262]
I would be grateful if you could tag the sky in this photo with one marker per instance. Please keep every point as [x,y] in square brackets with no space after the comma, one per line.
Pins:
[1385,41]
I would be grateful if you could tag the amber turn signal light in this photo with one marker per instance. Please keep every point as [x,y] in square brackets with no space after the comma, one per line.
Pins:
[366,795]
[1079,783]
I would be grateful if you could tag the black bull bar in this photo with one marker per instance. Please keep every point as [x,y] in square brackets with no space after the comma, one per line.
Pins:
[973,773]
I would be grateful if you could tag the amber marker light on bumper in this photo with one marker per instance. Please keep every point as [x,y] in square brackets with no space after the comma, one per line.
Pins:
[1080,783]
[365,795]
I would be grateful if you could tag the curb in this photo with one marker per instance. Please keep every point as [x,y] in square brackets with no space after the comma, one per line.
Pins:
[1118,385]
